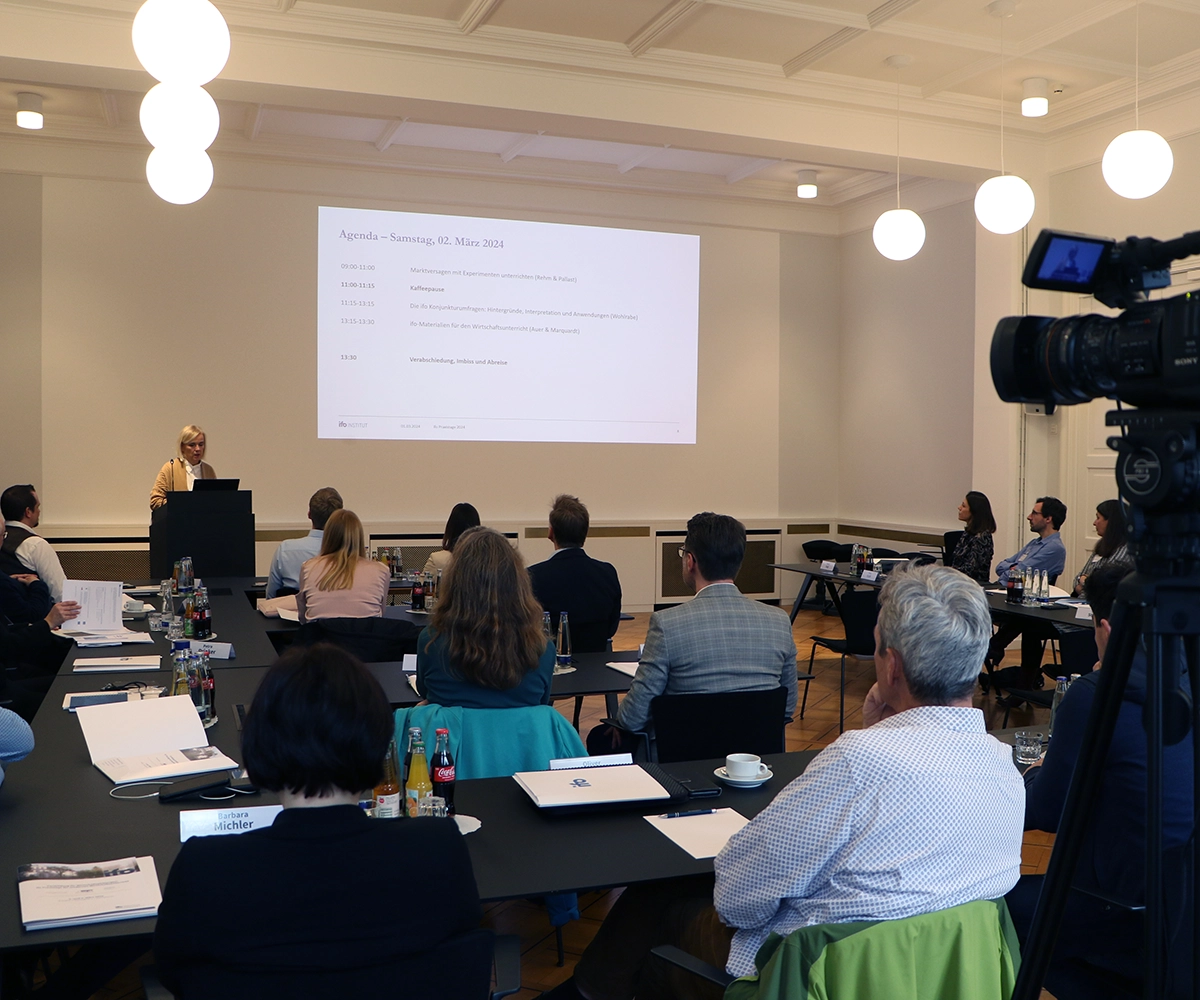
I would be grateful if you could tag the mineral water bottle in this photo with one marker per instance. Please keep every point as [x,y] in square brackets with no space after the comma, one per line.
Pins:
[1060,689]
[563,646]
[547,626]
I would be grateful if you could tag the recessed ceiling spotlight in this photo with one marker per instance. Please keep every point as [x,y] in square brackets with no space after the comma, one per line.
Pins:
[1035,102]
[29,111]
[807,186]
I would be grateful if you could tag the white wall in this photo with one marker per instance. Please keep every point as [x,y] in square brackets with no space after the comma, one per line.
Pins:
[907,383]
[155,316]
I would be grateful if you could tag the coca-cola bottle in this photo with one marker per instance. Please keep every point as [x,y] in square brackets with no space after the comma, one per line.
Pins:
[441,770]
[418,593]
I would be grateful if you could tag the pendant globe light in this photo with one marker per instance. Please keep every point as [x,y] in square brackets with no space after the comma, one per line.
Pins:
[184,44]
[1005,203]
[899,232]
[1138,163]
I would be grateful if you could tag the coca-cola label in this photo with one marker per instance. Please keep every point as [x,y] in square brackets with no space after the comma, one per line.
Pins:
[442,775]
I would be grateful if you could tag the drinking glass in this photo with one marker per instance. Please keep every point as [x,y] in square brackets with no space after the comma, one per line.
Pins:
[1029,746]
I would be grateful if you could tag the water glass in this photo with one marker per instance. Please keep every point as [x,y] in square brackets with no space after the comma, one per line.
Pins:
[1029,746]
[175,627]
[432,805]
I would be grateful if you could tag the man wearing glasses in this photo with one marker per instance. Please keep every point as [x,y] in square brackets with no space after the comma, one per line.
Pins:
[719,641]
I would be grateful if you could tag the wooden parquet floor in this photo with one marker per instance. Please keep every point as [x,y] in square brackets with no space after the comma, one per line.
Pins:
[819,727]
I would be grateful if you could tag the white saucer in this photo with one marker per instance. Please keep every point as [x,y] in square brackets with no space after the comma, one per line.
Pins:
[765,774]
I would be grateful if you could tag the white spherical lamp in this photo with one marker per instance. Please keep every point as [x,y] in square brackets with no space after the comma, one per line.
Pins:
[1004,204]
[180,176]
[181,41]
[1138,163]
[899,234]
[175,117]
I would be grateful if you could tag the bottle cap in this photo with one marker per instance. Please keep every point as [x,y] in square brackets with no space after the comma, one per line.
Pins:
[440,731]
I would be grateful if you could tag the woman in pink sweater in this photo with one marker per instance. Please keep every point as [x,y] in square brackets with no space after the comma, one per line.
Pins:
[342,582]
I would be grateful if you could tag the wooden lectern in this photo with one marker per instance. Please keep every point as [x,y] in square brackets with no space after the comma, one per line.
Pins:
[215,528]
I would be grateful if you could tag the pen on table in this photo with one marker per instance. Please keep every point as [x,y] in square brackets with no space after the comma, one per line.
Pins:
[693,812]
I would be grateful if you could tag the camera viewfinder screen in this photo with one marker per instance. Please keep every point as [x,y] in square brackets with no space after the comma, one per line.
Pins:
[1072,262]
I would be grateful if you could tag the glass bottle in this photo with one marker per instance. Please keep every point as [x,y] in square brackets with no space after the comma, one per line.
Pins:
[418,785]
[208,681]
[1060,689]
[189,616]
[414,737]
[548,628]
[418,592]
[441,770]
[563,646]
[179,681]
[387,792]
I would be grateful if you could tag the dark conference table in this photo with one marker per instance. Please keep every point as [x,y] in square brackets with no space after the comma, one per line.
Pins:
[55,806]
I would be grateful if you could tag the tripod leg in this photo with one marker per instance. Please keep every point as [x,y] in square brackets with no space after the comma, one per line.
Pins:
[1081,797]
[1192,648]
[1159,649]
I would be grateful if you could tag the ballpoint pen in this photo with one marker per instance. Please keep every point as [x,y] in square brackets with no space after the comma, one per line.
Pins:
[693,812]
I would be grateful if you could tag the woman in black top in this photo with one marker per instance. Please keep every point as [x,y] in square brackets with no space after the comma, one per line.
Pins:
[325,902]
[973,553]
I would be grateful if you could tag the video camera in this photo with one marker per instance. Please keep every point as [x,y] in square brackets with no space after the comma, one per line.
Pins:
[1149,356]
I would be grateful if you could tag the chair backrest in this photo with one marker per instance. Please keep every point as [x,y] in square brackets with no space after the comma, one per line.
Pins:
[968,951]
[950,540]
[860,611]
[885,553]
[919,558]
[820,548]
[699,726]
[460,966]
[372,640]
[495,742]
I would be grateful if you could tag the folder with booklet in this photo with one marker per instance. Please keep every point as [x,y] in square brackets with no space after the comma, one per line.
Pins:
[591,786]
[149,740]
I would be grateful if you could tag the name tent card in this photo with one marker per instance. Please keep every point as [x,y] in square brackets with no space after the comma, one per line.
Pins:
[219,822]
[870,575]
[217,650]
[828,566]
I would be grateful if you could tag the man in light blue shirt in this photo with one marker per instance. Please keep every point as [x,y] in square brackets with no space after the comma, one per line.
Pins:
[1046,552]
[294,552]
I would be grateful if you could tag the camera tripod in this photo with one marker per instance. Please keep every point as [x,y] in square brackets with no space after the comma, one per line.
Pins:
[1158,607]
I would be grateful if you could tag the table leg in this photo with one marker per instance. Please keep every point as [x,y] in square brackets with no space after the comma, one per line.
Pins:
[610,705]
[808,579]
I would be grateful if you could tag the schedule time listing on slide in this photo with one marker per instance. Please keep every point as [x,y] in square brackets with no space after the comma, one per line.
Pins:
[434,327]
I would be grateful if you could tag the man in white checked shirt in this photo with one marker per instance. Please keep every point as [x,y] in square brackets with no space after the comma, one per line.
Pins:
[921,811]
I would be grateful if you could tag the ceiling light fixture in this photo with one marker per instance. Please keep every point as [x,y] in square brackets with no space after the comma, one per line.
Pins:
[1138,163]
[1005,203]
[807,184]
[184,44]
[1035,98]
[29,111]
[899,232]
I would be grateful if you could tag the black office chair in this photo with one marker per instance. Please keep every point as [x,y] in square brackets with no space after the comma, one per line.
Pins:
[860,609]
[950,542]
[460,966]
[885,553]
[819,550]
[372,640]
[919,558]
[701,726]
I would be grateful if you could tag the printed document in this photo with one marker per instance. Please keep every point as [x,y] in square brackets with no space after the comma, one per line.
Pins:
[590,786]
[701,836]
[99,605]
[62,895]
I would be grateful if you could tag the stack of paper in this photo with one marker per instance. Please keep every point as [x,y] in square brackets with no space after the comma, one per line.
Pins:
[702,833]
[624,666]
[58,895]
[99,620]
[149,740]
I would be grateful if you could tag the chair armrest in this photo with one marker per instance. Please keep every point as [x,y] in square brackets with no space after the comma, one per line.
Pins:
[152,986]
[507,958]
[689,963]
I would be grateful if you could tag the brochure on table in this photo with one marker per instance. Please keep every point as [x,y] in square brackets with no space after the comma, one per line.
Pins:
[67,895]
[149,740]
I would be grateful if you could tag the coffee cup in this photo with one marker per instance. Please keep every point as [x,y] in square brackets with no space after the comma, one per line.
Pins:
[743,765]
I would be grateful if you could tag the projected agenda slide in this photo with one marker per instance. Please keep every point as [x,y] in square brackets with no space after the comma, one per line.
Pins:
[437,327]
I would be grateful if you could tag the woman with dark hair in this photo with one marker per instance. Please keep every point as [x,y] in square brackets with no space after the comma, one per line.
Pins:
[973,553]
[484,647]
[1110,546]
[329,905]
[342,582]
[462,517]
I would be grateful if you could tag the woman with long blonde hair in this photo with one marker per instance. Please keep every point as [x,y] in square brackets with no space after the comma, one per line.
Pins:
[484,647]
[342,582]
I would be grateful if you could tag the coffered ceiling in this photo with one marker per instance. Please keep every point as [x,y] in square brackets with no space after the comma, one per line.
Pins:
[724,96]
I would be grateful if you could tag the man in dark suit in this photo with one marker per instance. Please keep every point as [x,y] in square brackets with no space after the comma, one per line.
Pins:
[572,581]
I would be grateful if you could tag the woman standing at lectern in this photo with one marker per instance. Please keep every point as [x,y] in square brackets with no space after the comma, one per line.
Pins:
[181,472]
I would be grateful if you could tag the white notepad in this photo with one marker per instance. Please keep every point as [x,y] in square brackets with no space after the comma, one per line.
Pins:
[700,836]
[590,786]
[625,667]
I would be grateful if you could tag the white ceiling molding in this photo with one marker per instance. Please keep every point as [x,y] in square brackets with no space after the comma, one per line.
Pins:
[390,131]
[522,143]
[638,159]
[663,23]
[476,14]
[252,122]
[749,170]
[884,12]
[108,108]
